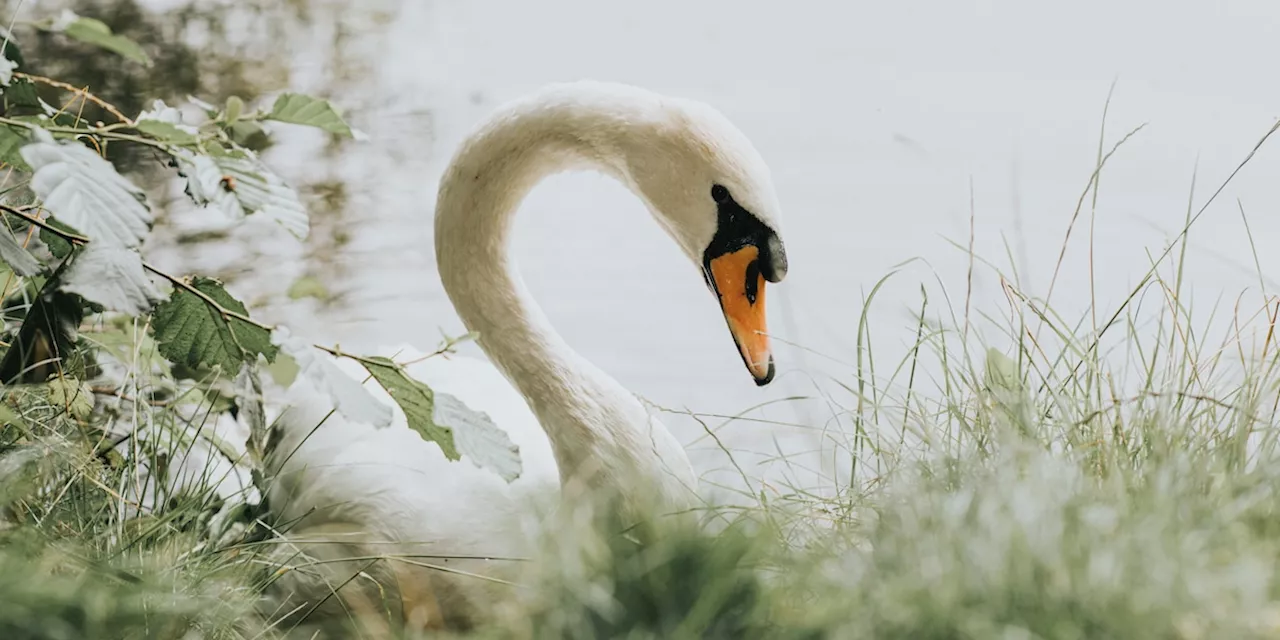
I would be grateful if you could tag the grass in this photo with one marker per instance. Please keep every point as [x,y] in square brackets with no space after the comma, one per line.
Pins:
[1091,473]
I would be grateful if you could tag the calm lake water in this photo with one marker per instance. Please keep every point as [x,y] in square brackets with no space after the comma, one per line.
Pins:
[887,125]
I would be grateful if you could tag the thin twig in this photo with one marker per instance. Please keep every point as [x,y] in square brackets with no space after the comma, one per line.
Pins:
[83,92]
[65,235]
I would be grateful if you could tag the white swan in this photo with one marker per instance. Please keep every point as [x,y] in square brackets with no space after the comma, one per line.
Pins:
[385,491]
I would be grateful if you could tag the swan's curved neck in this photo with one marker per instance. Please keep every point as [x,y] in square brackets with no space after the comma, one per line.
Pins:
[600,433]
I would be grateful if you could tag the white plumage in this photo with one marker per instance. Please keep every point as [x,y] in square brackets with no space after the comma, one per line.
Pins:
[357,491]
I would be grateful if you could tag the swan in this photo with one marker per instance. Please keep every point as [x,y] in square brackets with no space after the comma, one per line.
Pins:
[354,492]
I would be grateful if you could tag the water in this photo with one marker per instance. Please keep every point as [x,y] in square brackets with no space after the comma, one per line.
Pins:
[887,125]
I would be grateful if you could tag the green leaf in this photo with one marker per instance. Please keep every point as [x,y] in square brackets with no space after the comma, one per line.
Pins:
[72,395]
[191,332]
[21,93]
[301,109]
[85,191]
[97,33]
[1001,373]
[235,106]
[112,277]
[249,135]
[164,132]
[447,421]
[307,287]
[416,399]
[11,141]
[284,370]
[18,258]
[58,246]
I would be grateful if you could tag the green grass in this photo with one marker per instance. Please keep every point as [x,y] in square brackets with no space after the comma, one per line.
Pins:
[1086,473]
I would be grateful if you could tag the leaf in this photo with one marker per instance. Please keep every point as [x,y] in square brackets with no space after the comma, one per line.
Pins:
[415,399]
[284,370]
[296,108]
[307,287]
[11,141]
[191,332]
[239,185]
[21,93]
[163,122]
[72,395]
[1001,372]
[97,33]
[447,421]
[350,398]
[235,106]
[248,390]
[249,135]
[478,437]
[112,277]
[11,50]
[58,246]
[18,258]
[47,336]
[85,191]
[164,131]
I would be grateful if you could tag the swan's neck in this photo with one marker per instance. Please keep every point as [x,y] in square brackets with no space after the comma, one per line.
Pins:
[602,436]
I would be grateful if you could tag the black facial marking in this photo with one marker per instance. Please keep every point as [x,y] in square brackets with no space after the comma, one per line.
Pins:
[736,228]
[753,281]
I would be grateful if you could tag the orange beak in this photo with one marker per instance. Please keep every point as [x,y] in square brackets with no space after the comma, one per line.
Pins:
[738,282]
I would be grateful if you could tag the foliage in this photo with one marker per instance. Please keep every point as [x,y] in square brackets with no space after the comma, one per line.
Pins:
[134,435]
[1065,480]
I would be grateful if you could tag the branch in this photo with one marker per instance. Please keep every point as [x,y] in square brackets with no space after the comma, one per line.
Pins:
[184,285]
[82,92]
[108,132]
[65,235]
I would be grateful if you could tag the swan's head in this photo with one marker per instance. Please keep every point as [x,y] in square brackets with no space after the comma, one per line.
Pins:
[709,188]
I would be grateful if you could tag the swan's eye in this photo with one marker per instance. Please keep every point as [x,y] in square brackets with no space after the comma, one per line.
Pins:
[719,194]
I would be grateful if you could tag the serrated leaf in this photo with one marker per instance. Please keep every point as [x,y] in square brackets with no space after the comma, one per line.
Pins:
[190,332]
[416,399]
[164,131]
[239,185]
[97,33]
[21,93]
[58,246]
[296,108]
[447,421]
[85,191]
[478,437]
[349,397]
[72,395]
[18,258]
[112,277]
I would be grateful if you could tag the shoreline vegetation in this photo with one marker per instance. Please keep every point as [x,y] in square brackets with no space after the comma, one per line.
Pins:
[1101,473]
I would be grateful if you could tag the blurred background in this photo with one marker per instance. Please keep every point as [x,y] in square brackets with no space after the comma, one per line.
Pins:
[899,135]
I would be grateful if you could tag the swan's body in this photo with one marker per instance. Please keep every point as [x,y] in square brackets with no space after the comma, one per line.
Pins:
[386,491]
